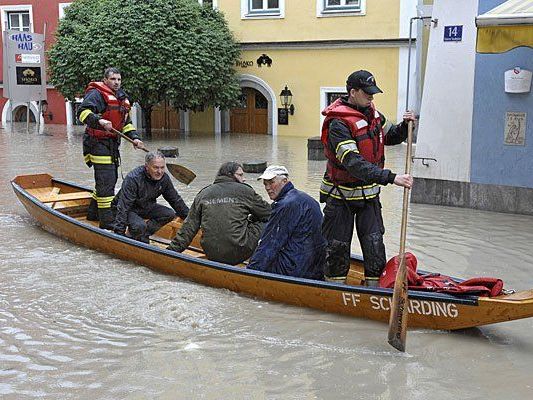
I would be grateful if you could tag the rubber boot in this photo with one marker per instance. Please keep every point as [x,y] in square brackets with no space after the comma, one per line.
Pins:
[151,228]
[374,258]
[337,260]
[92,211]
[106,218]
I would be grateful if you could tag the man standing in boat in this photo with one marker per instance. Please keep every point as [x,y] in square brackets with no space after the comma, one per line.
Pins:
[137,200]
[292,242]
[105,107]
[354,134]
[231,215]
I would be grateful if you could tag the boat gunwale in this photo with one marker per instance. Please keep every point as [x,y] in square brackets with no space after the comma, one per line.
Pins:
[341,287]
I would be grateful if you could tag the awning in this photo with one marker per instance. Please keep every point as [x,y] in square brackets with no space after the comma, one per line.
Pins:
[505,27]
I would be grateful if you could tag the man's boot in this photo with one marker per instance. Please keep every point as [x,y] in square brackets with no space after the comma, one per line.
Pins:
[151,228]
[92,211]
[106,218]
[374,258]
[337,260]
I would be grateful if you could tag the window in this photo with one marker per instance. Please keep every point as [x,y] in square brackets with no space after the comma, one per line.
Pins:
[340,7]
[19,21]
[328,95]
[17,17]
[332,96]
[62,7]
[262,8]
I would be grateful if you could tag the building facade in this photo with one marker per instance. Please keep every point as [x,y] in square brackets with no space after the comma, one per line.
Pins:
[475,143]
[307,47]
[33,16]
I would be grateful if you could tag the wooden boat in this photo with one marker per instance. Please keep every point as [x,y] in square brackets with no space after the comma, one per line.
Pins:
[60,207]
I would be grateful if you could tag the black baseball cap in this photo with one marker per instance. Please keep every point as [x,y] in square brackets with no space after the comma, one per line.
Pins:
[362,80]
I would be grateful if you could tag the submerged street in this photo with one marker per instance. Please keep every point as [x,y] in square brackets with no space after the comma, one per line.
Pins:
[77,324]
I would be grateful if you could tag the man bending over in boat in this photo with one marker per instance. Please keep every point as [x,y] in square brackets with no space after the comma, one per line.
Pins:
[292,242]
[231,215]
[137,200]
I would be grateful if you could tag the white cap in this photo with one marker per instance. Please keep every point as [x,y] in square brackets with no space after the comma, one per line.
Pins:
[273,171]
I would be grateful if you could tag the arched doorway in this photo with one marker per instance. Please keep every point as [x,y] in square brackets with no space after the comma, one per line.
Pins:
[20,114]
[251,116]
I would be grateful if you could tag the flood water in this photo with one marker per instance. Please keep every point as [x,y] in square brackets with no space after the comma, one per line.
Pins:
[77,324]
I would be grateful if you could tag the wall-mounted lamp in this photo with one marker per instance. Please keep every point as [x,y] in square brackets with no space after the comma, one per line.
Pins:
[286,100]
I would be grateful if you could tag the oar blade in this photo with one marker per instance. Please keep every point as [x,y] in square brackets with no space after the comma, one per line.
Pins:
[399,312]
[181,173]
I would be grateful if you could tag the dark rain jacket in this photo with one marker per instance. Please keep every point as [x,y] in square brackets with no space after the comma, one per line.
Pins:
[292,242]
[231,216]
[139,191]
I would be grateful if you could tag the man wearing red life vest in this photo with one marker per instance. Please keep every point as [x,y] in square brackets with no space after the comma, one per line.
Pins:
[105,107]
[354,134]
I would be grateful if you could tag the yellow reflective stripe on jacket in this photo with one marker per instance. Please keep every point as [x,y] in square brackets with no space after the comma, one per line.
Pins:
[344,148]
[346,193]
[99,159]
[104,202]
[84,114]
[93,194]
[87,158]
[128,128]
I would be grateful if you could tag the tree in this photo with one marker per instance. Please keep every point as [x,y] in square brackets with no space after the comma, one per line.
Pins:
[175,50]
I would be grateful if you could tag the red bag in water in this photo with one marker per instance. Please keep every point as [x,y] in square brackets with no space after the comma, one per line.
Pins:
[388,276]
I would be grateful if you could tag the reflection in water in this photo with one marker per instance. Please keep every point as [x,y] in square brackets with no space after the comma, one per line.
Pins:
[75,323]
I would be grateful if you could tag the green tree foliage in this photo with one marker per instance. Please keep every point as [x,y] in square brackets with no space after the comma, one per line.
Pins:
[175,50]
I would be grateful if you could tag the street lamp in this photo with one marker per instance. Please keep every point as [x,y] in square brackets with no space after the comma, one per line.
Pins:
[286,100]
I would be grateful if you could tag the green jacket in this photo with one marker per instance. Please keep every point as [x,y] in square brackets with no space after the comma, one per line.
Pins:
[231,215]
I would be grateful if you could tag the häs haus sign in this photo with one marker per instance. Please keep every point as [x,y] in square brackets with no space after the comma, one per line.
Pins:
[24,66]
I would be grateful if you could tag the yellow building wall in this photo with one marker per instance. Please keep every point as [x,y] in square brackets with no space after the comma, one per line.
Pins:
[305,71]
[202,121]
[381,21]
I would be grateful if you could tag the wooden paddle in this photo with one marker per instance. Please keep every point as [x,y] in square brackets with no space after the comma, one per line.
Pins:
[398,314]
[181,173]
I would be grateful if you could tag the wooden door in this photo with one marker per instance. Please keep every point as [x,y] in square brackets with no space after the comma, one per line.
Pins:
[164,116]
[251,116]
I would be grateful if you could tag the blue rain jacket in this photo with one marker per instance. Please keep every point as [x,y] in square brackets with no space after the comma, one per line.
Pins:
[292,242]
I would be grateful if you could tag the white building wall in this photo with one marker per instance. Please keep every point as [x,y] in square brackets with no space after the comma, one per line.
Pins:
[445,126]
[407,11]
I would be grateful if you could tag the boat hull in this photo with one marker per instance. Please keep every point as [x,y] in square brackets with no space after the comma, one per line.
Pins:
[426,310]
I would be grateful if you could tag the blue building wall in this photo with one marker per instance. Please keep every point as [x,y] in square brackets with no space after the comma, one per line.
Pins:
[492,162]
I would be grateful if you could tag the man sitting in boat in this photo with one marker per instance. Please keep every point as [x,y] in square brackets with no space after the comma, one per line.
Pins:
[137,200]
[292,242]
[231,215]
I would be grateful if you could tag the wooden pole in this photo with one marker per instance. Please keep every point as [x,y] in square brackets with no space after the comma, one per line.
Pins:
[181,173]
[398,314]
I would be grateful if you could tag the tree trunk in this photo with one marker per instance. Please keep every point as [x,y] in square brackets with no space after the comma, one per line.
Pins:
[147,112]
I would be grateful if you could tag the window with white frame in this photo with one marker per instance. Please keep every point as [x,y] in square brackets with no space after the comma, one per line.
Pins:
[262,8]
[350,7]
[18,20]
[62,7]
[328,95]
[17,17]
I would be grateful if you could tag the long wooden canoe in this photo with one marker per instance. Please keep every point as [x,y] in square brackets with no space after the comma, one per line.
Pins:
[60,207]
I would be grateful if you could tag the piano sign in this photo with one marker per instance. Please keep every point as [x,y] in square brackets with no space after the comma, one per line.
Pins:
[453,33]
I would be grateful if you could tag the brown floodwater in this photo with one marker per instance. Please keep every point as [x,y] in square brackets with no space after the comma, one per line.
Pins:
[77,324]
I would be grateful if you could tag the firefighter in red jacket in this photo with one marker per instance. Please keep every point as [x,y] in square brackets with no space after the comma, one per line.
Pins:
[105,107]
[354,134]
